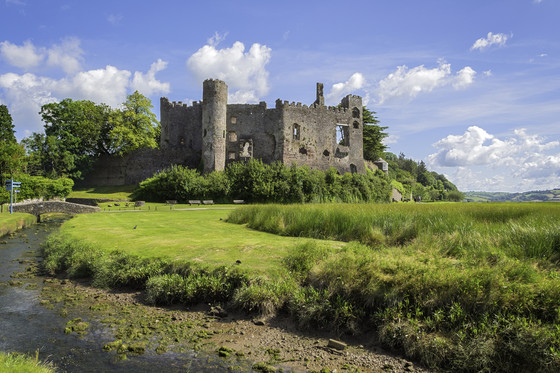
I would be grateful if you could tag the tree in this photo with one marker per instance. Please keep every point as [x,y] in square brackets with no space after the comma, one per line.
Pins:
[12,154]
[135,126]
[373,136]
[72,136]
[6,127]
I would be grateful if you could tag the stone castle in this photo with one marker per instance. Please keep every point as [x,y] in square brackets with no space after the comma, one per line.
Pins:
[213,133]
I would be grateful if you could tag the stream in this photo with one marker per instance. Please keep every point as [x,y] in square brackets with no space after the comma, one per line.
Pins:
[26,326]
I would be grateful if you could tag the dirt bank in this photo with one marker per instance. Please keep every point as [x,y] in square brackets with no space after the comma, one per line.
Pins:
[242,342]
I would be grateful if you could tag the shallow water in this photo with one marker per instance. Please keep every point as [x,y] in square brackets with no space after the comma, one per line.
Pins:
[26,326]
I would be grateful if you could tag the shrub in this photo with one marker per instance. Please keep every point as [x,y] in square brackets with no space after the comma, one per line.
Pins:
[255,181]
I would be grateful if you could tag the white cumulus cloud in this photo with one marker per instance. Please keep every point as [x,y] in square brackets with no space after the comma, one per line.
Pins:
[520,162]
[67,55]
[25,56]
[244,72]
[339,90]
[408,83]
[147,84]
[489,40]
[24,94]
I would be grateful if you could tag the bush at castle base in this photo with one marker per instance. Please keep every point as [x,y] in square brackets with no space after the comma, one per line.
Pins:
[37,187]
[255,181]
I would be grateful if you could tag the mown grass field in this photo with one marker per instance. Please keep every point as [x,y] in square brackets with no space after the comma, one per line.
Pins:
[104,192]
[200,235]
[462,287]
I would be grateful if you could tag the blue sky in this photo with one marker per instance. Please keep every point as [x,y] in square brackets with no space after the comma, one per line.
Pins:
[470,87]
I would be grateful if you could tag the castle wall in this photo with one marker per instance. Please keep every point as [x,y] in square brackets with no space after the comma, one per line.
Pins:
[181,126]
[137,166]
[253,132]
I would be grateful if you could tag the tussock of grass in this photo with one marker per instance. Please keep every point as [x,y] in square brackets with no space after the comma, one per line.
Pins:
[20,363]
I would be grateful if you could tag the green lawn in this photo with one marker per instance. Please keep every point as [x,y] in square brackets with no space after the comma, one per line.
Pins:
[199,235]
[104,192]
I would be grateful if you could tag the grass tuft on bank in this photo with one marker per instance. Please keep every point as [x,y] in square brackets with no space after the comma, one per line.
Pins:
[9,223]
[20,363]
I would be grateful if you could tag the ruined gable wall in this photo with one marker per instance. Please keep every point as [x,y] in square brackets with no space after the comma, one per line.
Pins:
[317,144]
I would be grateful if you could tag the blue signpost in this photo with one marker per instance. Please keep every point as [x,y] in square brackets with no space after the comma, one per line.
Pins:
[12,186]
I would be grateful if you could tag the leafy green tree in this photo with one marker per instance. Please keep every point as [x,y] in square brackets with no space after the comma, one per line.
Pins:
[6,126]
[135,126]
[12,154]
[72,136]
[373,136]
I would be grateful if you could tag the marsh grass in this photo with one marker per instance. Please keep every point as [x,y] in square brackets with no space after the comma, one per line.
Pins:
[468,287]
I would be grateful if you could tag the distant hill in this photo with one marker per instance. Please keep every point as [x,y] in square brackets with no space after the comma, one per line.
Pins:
[534,196]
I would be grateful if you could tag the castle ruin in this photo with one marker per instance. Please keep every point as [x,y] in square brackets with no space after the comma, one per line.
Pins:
[213,133]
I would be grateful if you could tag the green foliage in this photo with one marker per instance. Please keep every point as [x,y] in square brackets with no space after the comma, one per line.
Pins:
[134,126]
[72,137]
[78,132]
[12,158]
[255,181]
[37,187]
[416,179]
[12,154]
[6,126]
[373,136]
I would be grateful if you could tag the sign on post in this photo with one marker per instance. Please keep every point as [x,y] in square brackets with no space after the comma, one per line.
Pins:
[12,186]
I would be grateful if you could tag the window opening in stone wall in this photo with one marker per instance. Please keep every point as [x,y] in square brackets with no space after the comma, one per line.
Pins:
[342,135]
[353,168]
[233,120]
[231,155]
[355,112]
[224,134]
[296,131]
[232,136]
[356,124]
[204,133]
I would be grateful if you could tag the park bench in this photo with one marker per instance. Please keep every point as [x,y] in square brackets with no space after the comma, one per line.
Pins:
[194,202]
[238,201]
[171,202]
[208,202]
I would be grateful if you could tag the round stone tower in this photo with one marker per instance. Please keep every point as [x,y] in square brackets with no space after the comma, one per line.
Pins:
[214,108]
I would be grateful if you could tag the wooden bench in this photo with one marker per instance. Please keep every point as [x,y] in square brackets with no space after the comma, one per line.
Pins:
[194,202]
[171,202]
[208,202]
[238,201]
